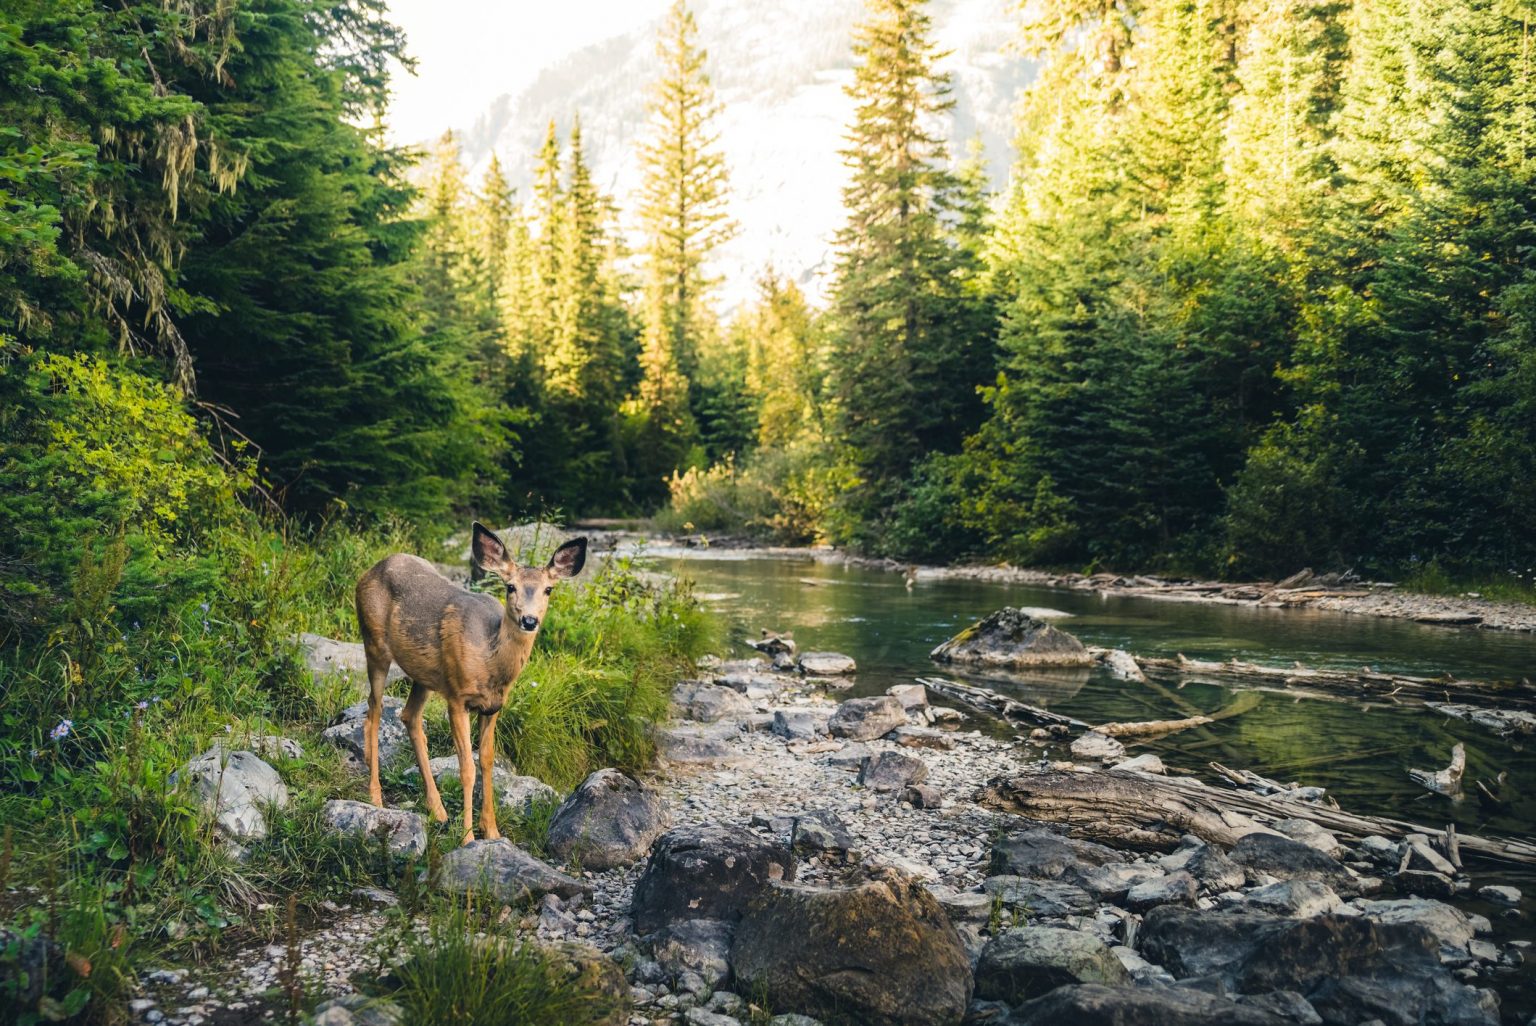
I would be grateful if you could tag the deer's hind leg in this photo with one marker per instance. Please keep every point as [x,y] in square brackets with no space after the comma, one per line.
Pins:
[411,717]
[378,676]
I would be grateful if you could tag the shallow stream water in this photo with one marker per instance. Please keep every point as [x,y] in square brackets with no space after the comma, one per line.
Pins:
[1360,751]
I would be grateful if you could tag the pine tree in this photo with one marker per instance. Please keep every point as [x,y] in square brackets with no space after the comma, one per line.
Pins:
[909,345]
[493,224]
[683,219]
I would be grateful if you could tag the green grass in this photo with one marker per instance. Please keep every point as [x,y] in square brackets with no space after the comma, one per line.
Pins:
[156,657]
[464,971]
[1515,585]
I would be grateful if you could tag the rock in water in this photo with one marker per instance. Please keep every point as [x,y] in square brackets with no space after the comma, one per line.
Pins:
[862,719]
[504,871]
[1011,639]
[405,832]
[608,821]
[706,872]
[235,788]
[827,664]
[880,954]
[1097,1005]
[1029,961]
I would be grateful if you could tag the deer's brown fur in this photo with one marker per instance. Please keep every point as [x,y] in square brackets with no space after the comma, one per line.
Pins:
[464,645]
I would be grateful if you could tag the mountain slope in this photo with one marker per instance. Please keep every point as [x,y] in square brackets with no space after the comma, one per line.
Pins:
[779,67]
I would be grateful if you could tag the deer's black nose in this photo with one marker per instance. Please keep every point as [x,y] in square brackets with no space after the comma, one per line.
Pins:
[529,623]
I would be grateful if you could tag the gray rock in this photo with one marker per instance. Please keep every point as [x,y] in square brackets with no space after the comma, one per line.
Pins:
[820,831]
[701,946]
[1451,928]
[28,965]
[1096,746]
[1500,895]
[512,789]
[880,954]
[862,719]
[405,832]
[1114,881]
[1045,855]
[909,736]
[1214,870]
[850,757]
[709,703]
[697,1016]
[923,796]
[706,872]
[968,907]
[692,746]
[1144,763]
[347,733]
[1039,897]
[826,664]
[892,771]
[1384,853]
[913,697]
[800,724]
[1422,881]
[1309,833]
[793,1019]
[1287,1004]
[609,820]
[358,1010]
[235,788]
[1174,889]
[1422,857]
[505,872]
[1026,962]
[275,746]
[1300,898]
[1094,1004]
[1286,859]
[326,657]
[1350,968]
[1011,639]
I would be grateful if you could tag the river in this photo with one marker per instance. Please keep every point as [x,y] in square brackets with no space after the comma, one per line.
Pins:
[1360,751]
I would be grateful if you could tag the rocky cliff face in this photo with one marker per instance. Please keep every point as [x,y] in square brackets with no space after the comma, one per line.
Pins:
[779,67]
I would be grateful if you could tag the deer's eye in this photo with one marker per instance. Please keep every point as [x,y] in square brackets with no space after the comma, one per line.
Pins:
[549,590]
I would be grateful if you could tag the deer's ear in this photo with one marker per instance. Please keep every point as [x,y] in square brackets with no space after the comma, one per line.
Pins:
[569,558]
[486,552]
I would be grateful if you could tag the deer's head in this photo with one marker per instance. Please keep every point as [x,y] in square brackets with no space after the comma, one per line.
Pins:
[528,588]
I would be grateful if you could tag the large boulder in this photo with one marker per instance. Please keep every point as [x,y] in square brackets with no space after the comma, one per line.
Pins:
[1039,897]
[892,771]
[350,728]
[1011,639]
[800,724]
[405,833]
[881,953]
[709,703]
[505,872]
[1044,855]
[236,789]
[1285,859]
[826,664]
[326,657]
[706,872]
[863,719]
[1350,968]
[1094,1004]
[701,745]
[609,820]
[1028,961]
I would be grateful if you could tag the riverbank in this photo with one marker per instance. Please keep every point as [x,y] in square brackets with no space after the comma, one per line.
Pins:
[1301,591]
[921,896]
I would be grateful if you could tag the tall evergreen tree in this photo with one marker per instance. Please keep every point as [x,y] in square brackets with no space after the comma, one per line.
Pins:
[909,342]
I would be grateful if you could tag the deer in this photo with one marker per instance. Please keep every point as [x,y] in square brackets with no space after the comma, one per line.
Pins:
[466,646]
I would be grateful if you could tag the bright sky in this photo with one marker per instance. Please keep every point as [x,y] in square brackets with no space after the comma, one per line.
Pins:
[468,52]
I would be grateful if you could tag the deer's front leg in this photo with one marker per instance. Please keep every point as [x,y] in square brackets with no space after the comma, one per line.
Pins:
[488,776]
[411,717]
[458,719]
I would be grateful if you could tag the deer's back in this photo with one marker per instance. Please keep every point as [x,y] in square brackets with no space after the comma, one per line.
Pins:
[428,624]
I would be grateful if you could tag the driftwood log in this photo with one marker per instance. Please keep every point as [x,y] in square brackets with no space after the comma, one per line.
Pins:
[1010,709]
[1362,683]
[1127,809]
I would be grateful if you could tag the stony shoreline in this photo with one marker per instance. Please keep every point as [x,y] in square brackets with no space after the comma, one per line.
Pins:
[884,819]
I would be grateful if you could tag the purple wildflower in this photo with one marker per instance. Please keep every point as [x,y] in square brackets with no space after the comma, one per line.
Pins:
[62,730]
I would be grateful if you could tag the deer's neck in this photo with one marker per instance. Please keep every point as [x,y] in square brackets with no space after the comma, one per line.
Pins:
[512,652]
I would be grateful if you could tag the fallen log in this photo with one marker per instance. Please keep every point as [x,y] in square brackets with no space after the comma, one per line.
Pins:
[1151,728]
[1252,781]
[1361,683]
[1010,709]
[1446,781]
[1151,813]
